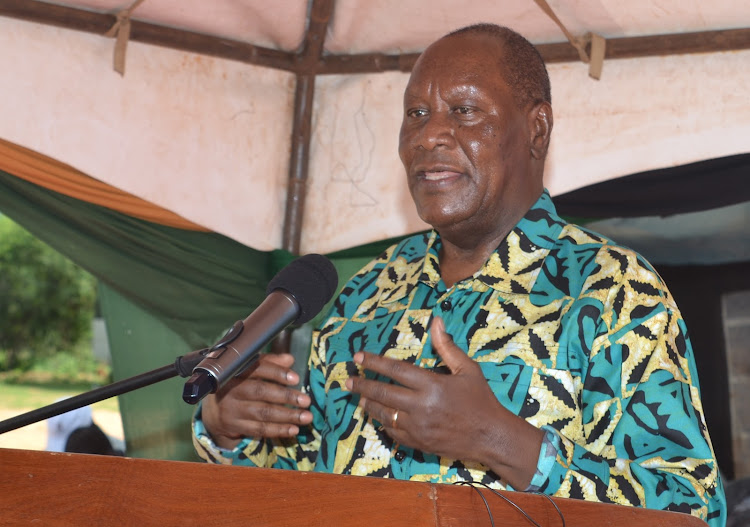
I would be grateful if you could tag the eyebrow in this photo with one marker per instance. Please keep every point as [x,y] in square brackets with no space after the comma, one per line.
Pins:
[461,90]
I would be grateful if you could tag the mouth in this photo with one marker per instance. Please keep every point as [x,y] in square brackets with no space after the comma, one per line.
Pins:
[437,174]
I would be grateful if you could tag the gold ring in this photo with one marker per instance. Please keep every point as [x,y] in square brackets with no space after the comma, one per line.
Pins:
[394,423]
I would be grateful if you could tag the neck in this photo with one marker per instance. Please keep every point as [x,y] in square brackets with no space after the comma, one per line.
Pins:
[467,244]
[459,261]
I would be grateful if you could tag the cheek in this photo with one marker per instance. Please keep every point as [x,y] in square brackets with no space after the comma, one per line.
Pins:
[404,146]
[484,143]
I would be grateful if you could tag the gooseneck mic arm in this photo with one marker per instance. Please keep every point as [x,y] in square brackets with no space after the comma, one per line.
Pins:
[295,295]
[182,366]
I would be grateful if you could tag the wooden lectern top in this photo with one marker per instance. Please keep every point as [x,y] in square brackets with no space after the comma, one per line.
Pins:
[60,489]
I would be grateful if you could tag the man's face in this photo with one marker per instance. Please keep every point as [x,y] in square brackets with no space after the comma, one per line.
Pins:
[464,142]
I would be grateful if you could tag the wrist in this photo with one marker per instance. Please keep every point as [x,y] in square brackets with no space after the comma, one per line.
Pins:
[511,450]
[208,415]
[221,441]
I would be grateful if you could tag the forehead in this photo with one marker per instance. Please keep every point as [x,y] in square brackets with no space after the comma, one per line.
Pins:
[468,60]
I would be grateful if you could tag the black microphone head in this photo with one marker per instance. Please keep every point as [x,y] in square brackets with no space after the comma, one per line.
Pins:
[311,279]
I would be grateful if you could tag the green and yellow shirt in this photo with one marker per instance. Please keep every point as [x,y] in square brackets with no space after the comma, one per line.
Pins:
[575,334]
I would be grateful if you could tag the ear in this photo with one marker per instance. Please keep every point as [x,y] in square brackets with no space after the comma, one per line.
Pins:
[540,127]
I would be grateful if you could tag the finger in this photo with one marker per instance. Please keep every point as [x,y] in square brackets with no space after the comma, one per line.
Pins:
[265,429]
[381,392]
[236,419]
[453,356]
[259,416]
[402,372]
[273,367]
[282,359]
[249,390]
[385,414]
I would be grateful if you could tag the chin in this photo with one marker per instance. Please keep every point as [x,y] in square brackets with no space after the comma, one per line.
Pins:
[442,220]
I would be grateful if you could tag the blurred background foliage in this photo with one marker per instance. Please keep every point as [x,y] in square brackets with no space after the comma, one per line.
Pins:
[47,305]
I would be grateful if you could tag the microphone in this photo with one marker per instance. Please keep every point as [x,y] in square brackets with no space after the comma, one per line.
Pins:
[294,296]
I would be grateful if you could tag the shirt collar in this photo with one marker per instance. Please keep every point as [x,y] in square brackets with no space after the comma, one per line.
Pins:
[511,269]
[514,266]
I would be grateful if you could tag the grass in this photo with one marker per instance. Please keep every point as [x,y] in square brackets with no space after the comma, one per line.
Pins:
[21,395]
[48,379]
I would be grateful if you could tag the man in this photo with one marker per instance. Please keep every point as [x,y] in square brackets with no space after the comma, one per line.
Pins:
[505,347]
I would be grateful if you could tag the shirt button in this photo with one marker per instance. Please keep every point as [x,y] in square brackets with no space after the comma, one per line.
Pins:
[400,455]
[446,305]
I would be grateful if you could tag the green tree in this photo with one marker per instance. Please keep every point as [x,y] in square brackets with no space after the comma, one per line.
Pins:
[46,301]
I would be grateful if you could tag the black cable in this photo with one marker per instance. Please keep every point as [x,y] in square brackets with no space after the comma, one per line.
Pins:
[554,505]
[487,505]
[510,502]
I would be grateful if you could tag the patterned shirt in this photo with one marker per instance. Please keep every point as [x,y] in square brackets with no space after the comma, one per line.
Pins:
[575,334]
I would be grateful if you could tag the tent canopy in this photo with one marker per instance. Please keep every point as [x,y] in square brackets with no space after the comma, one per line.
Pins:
[243,107]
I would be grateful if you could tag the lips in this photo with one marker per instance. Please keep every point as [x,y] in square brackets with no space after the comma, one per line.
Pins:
[437,173]
[440,175]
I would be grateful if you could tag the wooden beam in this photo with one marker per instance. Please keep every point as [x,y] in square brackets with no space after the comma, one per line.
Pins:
[678,44]
[366,63]
[147,33]
[99,23]
[617,48]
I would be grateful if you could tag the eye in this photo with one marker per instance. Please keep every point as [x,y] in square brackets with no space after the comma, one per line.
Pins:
[416,112]
[463,110]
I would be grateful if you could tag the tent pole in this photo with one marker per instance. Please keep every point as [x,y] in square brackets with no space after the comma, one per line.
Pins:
[296,187]
[299,162]
[308,59]
[320,12]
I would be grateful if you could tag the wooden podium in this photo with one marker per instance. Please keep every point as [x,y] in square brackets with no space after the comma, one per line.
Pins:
[54,489]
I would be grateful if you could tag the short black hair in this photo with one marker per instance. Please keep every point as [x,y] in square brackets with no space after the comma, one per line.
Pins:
[90,440]
[528,77]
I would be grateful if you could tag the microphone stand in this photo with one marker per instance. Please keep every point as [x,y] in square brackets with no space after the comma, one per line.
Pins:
[182,366]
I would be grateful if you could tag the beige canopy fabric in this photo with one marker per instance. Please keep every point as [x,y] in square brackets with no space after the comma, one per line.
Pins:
[63,179]
[208,136]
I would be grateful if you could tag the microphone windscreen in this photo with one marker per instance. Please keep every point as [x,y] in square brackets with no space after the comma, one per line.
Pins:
[311,279]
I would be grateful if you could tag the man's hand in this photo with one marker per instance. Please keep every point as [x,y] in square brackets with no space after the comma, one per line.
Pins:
[258,403]
[455,416]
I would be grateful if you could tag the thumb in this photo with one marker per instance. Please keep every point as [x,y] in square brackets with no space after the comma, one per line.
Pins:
[453,356]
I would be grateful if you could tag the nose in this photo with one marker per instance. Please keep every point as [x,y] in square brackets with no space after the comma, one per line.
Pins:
[435,131]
